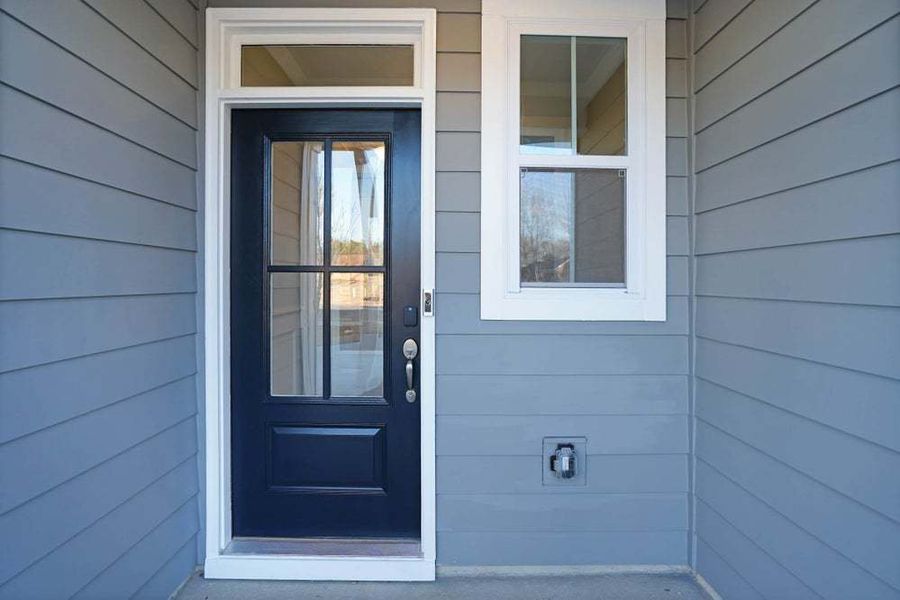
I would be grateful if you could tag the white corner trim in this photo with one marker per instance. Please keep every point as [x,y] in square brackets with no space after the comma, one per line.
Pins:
[642,24]
[225,28]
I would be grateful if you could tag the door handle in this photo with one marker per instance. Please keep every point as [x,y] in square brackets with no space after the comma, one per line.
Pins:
[410,351]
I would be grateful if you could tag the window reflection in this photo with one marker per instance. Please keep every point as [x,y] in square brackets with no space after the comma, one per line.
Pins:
[357,334]
[572,227]
[357,203]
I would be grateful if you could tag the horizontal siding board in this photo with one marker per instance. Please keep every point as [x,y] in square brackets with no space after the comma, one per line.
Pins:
[180,15]
[171,575]
[814,213]
[458,151]
[677,9]
[584,512]
[458,32]
[84,33]
[827,455]
[677,236]
[460,273]
[540,394]
[89,152]
[825,27]
[859,404]
[676,78]
[677,196]
[140,562]
[676,157]
[808,272]
[49,266]
[854,337]
[569,548]
[37,199]
[676,39]
[572,355]
[41,461]
[727,582]
[461,315]
[458,192]
[811,95]
[457,272]
[676,117]
[149,30]
[70,84]
[823,569]
[30,398]
[859,137]
[457,232]
[609,474]
[869,538]
[505,435]
[458,111]
[75,563]
[748,29]
[54,517]
[50,330]
[766,573]
[713,17]
[458,72]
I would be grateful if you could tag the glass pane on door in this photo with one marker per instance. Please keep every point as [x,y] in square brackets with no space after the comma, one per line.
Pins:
[357,203]
[357,334]
[295,333]
[297,203]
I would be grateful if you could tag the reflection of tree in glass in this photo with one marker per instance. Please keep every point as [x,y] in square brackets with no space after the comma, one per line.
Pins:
[357,214]
[545,225]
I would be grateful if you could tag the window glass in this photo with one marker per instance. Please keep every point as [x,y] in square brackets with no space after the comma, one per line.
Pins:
[327,65]
[546,94]
[357,334]
[601,95]
[297,205]
[357,203]
[572,227]
[295,332]
[573,95]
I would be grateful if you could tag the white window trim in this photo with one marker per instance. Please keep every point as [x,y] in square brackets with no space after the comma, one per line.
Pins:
[226,30]
[642,22]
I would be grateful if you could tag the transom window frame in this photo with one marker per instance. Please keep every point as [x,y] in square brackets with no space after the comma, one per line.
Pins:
[642,24]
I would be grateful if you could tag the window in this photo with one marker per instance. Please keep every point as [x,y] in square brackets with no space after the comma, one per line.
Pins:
[312,65]
[573,160]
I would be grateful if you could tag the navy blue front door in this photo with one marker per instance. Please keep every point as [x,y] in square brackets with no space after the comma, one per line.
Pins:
[325,208]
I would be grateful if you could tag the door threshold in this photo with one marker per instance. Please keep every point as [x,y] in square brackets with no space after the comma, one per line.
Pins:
[326,547]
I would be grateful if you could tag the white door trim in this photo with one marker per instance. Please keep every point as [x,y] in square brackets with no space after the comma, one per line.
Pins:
[225,28]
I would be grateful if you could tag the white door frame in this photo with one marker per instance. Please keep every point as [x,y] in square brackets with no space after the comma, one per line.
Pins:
[226,30]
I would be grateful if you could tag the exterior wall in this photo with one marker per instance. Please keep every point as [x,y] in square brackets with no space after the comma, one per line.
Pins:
[796,118]
[503,386]
[98,431]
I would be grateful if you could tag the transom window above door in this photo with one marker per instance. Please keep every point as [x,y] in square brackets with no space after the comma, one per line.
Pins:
[312,65]
[327,268]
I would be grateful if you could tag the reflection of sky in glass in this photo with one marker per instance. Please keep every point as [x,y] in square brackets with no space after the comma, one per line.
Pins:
[357,212]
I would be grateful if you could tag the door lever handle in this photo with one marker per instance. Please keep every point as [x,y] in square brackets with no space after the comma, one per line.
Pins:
[410,350]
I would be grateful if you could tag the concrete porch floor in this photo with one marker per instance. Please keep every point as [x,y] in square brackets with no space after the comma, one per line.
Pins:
[557,587]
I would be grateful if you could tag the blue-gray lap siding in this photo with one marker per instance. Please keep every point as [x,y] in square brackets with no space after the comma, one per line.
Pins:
[98,280]
[502,386]
[797,202]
